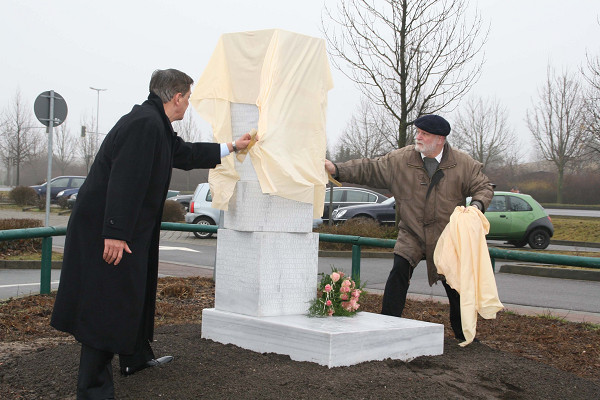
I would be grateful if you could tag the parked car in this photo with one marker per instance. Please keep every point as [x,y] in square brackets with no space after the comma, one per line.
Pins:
[59,184]
[172,193]
[514,217]
[350,196]
[71,200]
[66,194]
[183,199]
[384,213]
[519,219]
[200,210]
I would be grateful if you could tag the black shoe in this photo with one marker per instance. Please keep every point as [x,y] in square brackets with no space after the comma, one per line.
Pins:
[151,363]
[475,340]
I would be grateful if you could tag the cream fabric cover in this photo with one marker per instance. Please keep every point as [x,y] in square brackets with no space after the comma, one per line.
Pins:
[287,76]
[462,256]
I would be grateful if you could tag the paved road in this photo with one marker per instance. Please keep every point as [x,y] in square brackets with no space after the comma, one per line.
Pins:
[573,213]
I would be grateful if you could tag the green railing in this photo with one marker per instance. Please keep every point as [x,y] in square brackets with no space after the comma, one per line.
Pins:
[356,241]
[544,258]
[46,235]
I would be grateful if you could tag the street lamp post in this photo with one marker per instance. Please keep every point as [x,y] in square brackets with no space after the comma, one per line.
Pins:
[97,113]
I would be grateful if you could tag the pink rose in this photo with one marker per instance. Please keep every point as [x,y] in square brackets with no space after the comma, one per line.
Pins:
[341,274]
[356,293]
[330,312]
[346,283]
[327,288]
[328,302]
[344,296]
[335,277]
[355,307]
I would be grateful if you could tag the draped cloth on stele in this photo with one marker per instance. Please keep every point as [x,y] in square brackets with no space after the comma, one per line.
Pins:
[287,76]
[462,256]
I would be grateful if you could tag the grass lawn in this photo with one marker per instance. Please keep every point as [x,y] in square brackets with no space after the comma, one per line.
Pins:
[31,256]
[576,229]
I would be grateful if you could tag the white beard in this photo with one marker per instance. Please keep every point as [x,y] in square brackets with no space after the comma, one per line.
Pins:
[425,149]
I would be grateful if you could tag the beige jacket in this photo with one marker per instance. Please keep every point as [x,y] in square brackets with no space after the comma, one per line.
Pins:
[423,217]
[462,256]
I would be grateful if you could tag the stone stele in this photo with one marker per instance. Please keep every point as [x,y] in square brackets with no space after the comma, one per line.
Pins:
[266,276]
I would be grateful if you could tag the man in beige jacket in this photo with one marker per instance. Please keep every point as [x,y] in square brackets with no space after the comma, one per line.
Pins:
[428,180]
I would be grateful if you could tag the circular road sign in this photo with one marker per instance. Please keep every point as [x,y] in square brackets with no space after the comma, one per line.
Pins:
[41,107]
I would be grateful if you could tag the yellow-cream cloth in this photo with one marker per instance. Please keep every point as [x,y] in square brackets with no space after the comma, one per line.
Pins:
[287,76]
[462,256]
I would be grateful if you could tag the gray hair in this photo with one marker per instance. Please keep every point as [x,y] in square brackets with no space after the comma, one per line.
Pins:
[166,83]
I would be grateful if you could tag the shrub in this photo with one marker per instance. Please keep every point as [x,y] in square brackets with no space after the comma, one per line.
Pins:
[24,196]
[63,202]
[173,212]
[357,227]
[11,247]
[40,202]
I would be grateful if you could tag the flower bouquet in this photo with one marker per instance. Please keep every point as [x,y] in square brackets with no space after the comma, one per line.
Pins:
[338,295]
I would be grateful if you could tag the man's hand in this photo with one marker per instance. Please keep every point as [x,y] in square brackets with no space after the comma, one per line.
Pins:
[244,141]
[477,205]
[329,167]
[113,250]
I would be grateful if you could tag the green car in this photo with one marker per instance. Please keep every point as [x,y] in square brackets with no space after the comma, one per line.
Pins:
[519,219]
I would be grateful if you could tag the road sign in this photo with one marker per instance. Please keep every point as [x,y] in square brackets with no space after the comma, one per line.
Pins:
[41,107]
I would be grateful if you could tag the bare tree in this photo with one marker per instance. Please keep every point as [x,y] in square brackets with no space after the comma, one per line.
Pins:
[481,129]
[363,136]
[187,128]
[556,123]
[63,148]
[591,74]
[409,56]
[86,144]
[19,139]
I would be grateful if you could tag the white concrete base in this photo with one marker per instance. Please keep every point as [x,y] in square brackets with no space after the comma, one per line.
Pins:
[331,341]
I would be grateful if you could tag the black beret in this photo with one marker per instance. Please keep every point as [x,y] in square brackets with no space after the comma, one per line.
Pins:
[433,124]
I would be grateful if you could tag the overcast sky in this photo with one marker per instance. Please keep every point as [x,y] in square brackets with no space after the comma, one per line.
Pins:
[70,45]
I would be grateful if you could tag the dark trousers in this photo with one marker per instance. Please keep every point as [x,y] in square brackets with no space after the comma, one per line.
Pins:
[95,379]
[396,288]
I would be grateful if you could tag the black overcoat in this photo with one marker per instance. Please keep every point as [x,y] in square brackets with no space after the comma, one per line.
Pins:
[103,305]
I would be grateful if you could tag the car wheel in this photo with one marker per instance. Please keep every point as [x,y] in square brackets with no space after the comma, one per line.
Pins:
[203,221]
[518,243]
[539,239]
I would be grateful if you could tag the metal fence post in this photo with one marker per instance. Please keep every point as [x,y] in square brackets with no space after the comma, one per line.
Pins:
[356,262]
[46,265]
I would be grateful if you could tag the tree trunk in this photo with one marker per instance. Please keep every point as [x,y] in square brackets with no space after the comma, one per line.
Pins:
[559,185]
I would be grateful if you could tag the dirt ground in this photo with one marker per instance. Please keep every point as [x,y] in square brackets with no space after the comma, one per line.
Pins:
[518,357]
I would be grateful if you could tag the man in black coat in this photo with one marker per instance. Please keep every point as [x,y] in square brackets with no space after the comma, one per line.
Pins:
[107,293]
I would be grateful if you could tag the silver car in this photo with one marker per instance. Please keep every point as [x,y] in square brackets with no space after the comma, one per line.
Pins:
[201,211]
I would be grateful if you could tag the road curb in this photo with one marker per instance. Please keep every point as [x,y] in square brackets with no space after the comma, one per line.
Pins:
[576,244]
[551,272]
